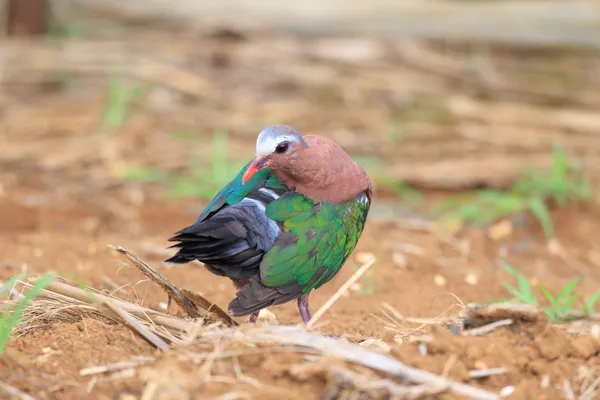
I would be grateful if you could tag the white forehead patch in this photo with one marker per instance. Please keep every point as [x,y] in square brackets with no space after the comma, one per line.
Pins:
[268,143]
[269,138]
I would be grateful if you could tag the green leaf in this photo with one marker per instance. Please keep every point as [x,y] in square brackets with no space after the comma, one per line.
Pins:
[520,295]
[143,174]
[9,284]
[548,296]
[12,318]
[120,98]
[551,314]
[591,302]
[568,304]
[566,291]
[540,211]
[524,293]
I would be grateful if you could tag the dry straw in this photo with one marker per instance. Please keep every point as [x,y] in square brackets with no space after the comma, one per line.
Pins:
[207,325]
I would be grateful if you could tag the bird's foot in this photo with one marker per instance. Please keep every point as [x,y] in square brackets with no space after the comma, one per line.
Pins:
[253,318]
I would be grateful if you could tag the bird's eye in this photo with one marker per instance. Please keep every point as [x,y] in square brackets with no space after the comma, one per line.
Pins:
[282,147]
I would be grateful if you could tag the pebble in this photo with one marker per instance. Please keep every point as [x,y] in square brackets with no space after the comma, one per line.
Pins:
[507,391]
[376,344]
[554,247]
[595,331]
[267,316]
[500,230]
[399,260]
[410,248]
[471,279]
[127,396]
[364,257]
[439,280]
[356,287]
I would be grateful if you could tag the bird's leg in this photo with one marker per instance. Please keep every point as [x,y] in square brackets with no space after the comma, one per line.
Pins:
[304,308]
[305,312]
[253,318]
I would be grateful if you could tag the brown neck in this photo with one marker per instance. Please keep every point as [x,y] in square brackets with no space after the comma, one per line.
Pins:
[323,172]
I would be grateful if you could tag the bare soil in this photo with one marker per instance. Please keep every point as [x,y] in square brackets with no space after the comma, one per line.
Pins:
[62,202]
[46,363]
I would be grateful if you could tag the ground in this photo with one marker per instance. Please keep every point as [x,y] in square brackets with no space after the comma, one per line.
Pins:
[63,199]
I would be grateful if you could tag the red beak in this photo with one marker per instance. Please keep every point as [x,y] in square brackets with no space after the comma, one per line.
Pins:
[256,165]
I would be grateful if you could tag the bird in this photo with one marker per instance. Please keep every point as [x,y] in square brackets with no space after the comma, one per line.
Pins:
[285,225]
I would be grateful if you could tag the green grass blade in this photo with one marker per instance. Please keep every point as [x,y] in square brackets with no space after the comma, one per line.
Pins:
[520,296]
[446,206]
[524,292]
[551,314]
[591,302]
[567,307]
[549,298]
[120,98]
[540,211]
[10,319]
[565,292]
[9,284]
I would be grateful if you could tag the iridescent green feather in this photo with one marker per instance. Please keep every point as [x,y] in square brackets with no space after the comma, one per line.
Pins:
[325,235]
[235,190]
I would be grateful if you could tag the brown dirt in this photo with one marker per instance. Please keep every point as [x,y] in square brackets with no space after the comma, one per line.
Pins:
[47,363]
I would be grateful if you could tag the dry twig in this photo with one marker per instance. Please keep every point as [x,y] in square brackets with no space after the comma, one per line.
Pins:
[484,373]
[359,272]
[484,330]
[187,300]
[483,313]
[131,322]
[365,357]
[115,367]
[341,379]
[13,391]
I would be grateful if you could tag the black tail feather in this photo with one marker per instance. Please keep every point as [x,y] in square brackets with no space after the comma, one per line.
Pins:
[254,296]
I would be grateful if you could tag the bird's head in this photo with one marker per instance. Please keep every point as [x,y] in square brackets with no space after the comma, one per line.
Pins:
[275,145]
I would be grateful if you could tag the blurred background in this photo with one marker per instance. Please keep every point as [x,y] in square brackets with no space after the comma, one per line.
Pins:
[120,116]
[127,117]
[479,122]
[436,95]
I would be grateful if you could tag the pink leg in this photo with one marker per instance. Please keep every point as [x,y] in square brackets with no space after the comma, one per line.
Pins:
[253,318]
[305,311]
[304,308]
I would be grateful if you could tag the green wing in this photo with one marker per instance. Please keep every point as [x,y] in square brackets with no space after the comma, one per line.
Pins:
[316,241]
[235,190]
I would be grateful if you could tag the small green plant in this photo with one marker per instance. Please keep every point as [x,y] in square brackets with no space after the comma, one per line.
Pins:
[145,174]
[68,31]
[532,192]
[201,181]
[11,316]
[423,109]
[121,96]
[560,307]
